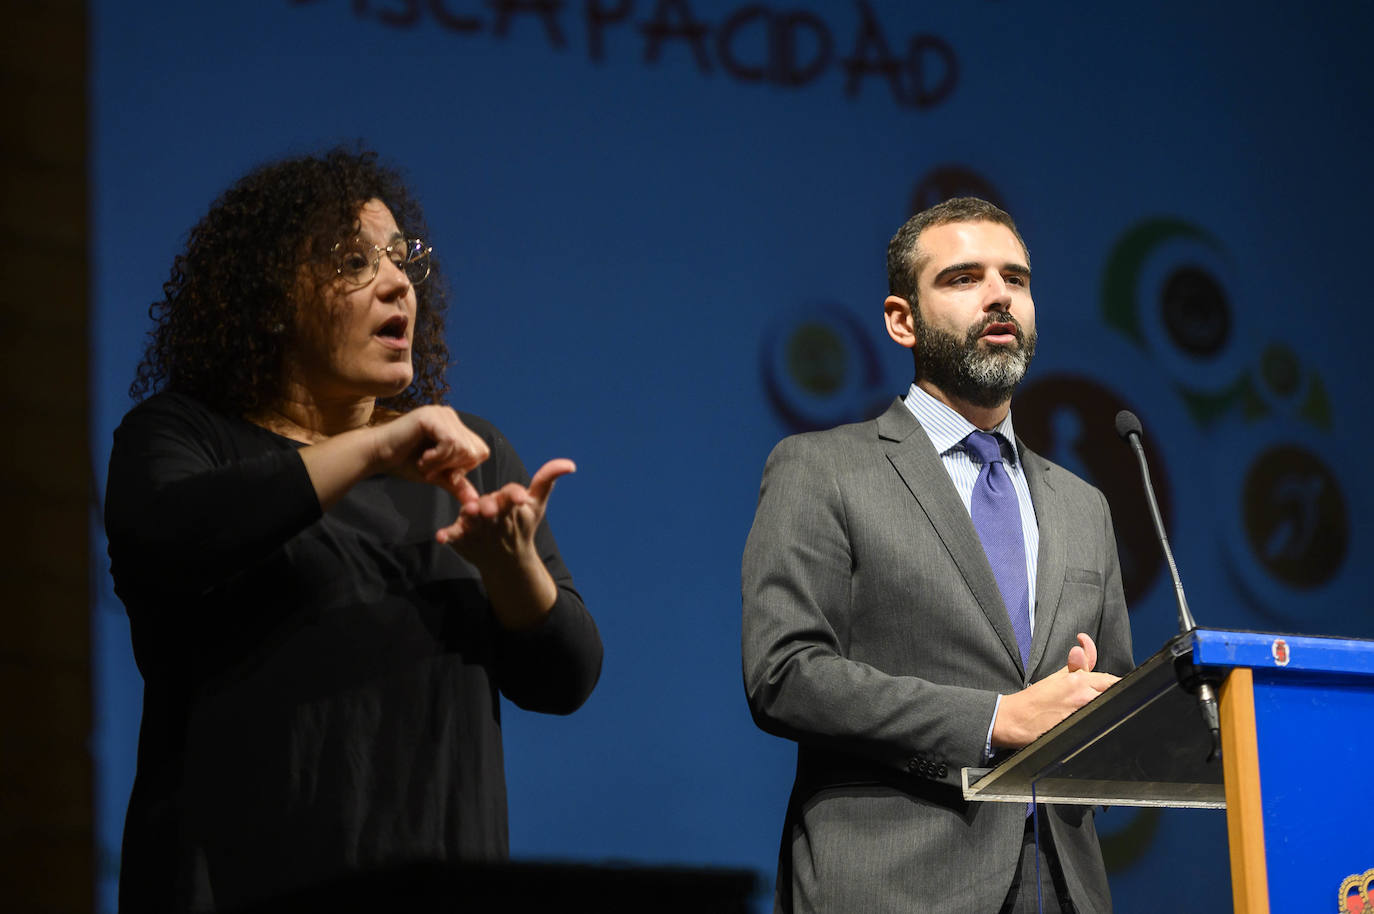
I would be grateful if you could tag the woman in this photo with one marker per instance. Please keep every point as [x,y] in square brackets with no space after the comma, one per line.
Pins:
[328,575]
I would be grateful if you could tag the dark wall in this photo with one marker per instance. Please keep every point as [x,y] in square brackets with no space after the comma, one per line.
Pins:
[46,838]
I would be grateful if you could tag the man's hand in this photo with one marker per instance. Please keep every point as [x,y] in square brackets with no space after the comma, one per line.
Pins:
[495,532]
[1023,716]
[1083,656]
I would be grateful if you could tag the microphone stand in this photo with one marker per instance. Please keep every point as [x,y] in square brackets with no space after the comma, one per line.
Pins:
[1192,679]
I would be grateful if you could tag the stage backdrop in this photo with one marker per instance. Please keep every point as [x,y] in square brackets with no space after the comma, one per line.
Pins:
[664,223]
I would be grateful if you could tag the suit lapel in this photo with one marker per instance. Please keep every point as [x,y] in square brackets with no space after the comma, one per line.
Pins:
[1051,558]
[924,474]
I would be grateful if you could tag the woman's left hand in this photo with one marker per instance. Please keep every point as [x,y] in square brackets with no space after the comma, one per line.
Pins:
[495,532]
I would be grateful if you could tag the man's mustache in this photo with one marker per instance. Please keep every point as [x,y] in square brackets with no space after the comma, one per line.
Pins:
[996,317]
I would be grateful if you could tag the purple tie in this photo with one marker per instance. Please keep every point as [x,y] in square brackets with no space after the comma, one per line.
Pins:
[997,518]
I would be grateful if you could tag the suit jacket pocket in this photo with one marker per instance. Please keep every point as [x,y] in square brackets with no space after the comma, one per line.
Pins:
[1080,603]
[1082,576]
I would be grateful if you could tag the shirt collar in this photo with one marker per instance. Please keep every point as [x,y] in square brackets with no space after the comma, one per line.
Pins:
[947,429]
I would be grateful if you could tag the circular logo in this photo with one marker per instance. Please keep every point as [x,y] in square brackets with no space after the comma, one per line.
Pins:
[948,181]
[1195,311]
[1164,287]
[817,359]
[1294,516]
[821,368]
[1069,419]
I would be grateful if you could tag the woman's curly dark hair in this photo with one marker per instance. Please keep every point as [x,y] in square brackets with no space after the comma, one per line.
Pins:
[221,332]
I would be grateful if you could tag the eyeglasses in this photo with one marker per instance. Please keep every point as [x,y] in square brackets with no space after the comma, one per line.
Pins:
[357,261]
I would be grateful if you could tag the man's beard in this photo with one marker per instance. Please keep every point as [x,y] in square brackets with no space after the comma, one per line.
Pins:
[982,376]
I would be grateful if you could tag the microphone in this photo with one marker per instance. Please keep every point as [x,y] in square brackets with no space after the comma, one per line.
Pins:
[1128,427]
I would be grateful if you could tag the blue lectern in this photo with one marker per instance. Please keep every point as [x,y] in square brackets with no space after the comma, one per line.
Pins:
[1296,773]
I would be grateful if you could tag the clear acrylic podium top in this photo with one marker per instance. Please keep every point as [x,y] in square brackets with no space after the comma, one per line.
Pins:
[1142,743]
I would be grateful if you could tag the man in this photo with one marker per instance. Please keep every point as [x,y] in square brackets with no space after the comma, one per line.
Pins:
[918,600]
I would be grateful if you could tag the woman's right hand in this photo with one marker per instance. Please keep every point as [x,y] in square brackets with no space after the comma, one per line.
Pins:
[430,444]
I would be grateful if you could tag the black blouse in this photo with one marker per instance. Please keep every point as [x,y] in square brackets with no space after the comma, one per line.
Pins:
[320,689]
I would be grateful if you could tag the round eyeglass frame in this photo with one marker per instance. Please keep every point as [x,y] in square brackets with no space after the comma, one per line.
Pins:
[418,261]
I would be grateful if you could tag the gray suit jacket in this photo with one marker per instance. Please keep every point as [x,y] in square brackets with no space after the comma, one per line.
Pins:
[876,638]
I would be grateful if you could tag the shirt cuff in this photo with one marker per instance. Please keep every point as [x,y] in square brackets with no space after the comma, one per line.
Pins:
[987,744]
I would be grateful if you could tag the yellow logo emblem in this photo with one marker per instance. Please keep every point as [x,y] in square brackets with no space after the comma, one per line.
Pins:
[1354,897]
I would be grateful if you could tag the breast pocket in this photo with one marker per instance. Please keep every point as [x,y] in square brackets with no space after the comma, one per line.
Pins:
[1083,576]
[1080,603]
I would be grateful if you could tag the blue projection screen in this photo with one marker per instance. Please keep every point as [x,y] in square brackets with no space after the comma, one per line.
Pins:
[664,224]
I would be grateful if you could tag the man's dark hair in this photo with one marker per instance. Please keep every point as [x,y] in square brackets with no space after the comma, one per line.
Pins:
[222,329]
[905,261]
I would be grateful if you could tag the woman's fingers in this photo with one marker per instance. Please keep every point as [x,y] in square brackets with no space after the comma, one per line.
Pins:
[428,441]
[541,486]
[509,515]
[451,444]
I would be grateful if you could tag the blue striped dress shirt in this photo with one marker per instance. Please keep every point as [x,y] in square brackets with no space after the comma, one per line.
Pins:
[947,430]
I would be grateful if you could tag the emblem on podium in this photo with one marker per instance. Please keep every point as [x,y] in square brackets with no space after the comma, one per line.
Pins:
[1280,651]
[1354,894]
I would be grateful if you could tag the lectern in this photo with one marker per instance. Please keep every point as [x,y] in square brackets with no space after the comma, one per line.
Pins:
[1296,773]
